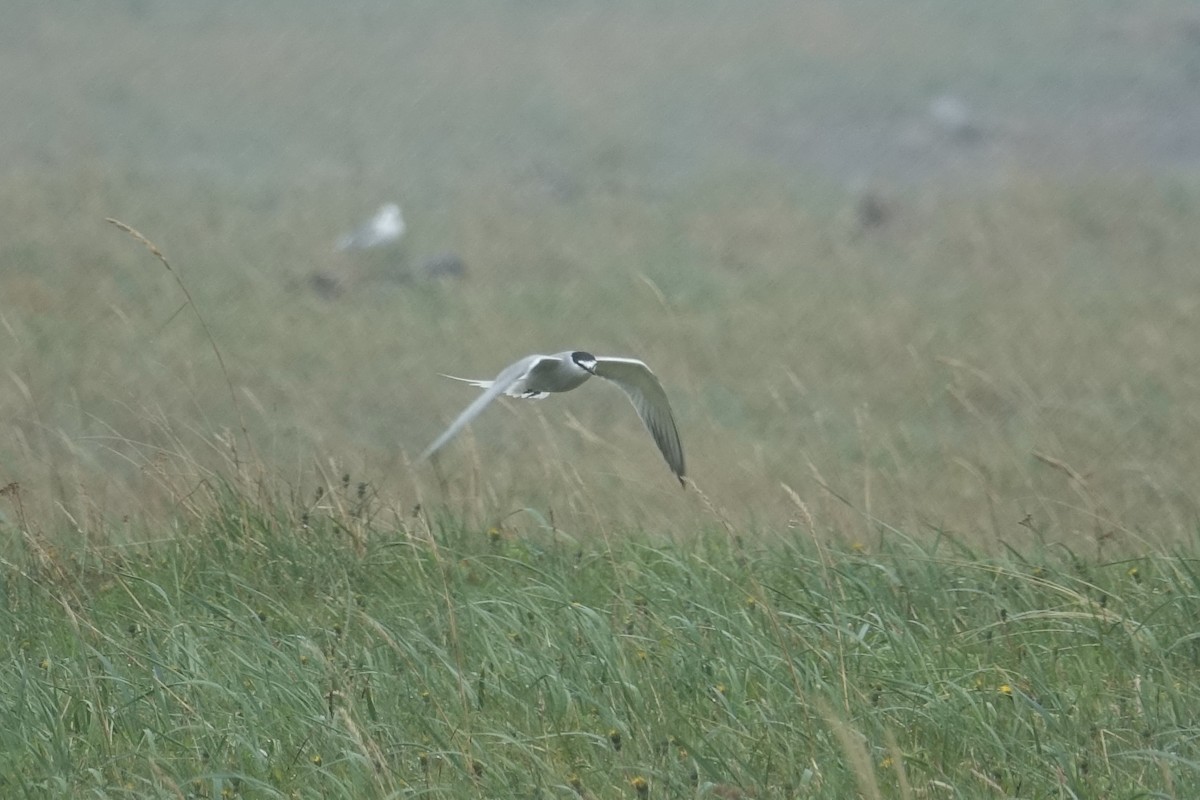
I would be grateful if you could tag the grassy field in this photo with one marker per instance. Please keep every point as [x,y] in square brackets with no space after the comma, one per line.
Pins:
[941,540]
[353,652]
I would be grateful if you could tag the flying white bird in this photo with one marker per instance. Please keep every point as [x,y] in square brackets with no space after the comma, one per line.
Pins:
[386,227]
[535,377]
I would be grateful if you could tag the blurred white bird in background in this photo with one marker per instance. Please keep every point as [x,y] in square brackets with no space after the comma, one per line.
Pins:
[386,227]
[953,117]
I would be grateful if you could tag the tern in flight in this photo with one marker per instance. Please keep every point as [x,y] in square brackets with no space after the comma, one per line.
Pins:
[386,227]
[535,377]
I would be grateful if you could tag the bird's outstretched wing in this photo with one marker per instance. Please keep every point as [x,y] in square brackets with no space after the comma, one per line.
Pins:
[472,381]
[512,391]
[650,400]
[497,387]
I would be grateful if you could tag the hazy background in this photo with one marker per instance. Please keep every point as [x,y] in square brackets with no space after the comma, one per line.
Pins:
[938,258]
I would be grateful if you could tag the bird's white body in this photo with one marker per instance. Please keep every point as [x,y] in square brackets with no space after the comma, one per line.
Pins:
[386,227]
[536,376]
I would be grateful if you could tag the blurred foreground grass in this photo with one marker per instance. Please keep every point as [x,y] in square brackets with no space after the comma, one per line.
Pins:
[344,649]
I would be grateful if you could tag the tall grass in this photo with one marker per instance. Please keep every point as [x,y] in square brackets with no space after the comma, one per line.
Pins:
[1020,353]
[627,180]
[275,646]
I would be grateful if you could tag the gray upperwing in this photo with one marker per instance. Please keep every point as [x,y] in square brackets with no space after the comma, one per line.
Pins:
[503,381]
[650,400]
